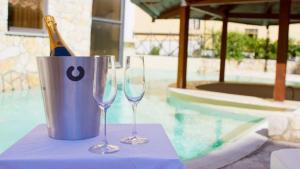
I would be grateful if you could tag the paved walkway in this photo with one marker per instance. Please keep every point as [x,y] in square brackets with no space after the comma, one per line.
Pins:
[261,158]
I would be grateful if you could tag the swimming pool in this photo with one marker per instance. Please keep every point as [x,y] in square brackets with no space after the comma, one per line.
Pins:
[193,129]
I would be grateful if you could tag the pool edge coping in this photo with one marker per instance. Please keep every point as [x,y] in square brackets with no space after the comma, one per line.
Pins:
[215,98]
[231,152]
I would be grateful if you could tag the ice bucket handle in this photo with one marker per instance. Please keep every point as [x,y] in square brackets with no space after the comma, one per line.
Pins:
[70,75]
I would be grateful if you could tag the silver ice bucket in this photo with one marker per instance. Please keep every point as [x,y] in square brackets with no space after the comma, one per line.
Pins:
[67,87]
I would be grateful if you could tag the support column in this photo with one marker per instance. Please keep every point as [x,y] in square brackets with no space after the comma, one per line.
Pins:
[267,49]
[183,46]
[282,50]
[223,49]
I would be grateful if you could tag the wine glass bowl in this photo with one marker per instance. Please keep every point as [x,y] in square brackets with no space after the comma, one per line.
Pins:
[134,84]
[104,92]
[134,90]
[105,87]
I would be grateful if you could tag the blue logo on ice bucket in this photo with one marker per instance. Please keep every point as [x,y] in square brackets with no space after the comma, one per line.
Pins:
[75,78]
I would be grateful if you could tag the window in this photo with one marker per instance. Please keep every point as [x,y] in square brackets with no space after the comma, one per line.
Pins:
[26,14]
[251,32]
[107,28]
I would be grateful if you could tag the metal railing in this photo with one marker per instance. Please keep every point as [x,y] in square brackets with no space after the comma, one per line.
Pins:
[167,43]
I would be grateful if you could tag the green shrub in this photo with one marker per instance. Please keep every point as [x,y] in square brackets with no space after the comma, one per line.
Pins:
[238,44]
[155,50]
[294,48]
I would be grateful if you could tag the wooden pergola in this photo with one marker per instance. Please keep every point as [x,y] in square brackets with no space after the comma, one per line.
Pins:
[255,12]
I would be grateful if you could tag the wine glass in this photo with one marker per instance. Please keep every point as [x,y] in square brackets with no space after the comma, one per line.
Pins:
[104,92]
[134,89]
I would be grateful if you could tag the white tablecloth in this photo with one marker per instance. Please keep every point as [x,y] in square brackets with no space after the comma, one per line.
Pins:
[285,159]
[37,151]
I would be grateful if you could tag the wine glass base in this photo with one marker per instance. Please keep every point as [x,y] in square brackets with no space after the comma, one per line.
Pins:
[104,149]
[134,140]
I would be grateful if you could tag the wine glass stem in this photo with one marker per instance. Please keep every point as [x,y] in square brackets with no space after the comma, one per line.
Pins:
[104,116]
[134,132]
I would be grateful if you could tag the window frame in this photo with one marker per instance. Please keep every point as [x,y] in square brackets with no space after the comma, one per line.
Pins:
[97,19]
[14,30]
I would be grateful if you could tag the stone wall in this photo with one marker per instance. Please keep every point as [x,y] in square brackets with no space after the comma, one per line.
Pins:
[74,18]
[74,23]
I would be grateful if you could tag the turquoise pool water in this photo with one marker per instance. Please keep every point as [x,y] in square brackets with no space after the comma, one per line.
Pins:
[193,129]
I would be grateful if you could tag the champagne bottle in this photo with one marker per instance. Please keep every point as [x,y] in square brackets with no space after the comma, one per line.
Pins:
[57,44]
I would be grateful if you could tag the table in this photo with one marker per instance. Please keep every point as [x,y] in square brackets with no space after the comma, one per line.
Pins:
[37,151]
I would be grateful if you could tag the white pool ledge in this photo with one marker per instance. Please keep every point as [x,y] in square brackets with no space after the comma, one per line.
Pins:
[231,100]
[231,152]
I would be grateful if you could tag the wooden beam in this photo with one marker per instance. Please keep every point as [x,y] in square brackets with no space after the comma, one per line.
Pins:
[222,9]
[222,2]
[223,49]
[253,15]
[205,12]
[148,10]
[183,46]
[150,1]
[282,50]
[268,7]
[210,11]
[259,16]
[170,13]
[227,8]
